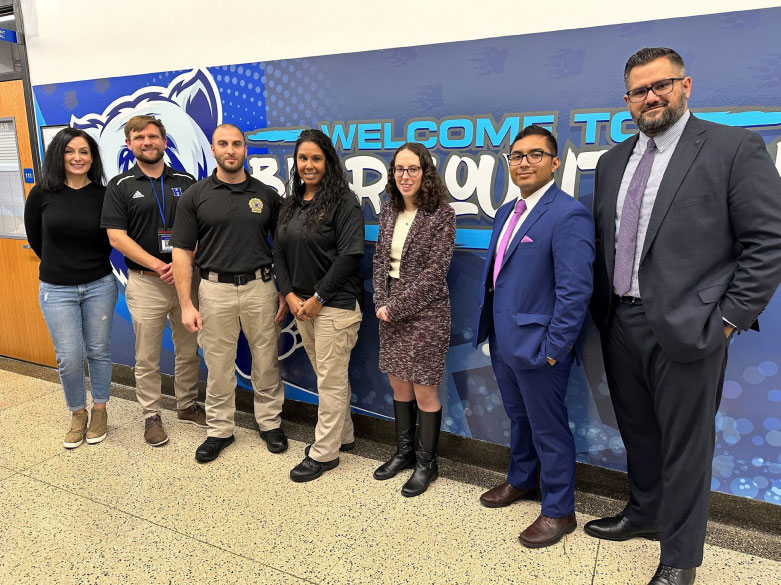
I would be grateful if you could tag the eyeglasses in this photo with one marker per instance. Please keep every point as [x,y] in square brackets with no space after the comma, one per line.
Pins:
[534,157]
[661,87]
[411,171]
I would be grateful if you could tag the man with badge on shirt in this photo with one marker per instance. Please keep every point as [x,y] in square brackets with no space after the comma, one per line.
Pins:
[229,218]
[138,214]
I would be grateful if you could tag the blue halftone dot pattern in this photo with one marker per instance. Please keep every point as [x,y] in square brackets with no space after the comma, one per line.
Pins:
[242,91]
[298,93]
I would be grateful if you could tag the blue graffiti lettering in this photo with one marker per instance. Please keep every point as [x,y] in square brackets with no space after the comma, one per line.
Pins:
[591,120]
[462,126]
[369,136]
[417,125]
[617,133]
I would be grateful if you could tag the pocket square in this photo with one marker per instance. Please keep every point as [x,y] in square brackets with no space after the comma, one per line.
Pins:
[526,239]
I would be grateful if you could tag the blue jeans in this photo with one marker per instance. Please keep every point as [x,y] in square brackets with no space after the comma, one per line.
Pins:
[79,318]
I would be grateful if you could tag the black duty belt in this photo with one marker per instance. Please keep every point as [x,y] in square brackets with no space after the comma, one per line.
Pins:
[628,300]
[237,278]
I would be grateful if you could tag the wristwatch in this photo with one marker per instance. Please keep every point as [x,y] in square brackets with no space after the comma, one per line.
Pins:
[319,299]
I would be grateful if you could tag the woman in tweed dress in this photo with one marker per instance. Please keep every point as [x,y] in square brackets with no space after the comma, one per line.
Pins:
[414,248]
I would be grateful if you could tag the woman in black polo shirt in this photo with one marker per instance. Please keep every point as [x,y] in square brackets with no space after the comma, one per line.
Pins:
[78,291]
[317,249]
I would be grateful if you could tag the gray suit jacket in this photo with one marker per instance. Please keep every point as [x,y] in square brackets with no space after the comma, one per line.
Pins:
[713,247]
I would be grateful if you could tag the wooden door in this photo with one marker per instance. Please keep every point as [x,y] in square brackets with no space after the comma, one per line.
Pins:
[23,332]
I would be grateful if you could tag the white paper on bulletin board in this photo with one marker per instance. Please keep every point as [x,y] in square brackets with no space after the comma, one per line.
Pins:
[11,185]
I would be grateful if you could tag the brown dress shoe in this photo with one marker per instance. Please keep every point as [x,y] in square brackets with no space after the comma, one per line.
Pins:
[545,531]
[504,495]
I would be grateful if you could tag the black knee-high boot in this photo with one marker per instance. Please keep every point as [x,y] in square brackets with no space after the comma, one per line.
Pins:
[426,468]
[404,457]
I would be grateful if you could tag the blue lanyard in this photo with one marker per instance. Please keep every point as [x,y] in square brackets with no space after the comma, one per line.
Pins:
[160,208]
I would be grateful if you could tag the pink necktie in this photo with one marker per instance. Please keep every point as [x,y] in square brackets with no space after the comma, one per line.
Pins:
[520,207]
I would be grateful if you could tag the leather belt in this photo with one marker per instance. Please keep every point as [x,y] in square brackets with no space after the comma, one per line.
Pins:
[236,278]
[626,300]
[144,272]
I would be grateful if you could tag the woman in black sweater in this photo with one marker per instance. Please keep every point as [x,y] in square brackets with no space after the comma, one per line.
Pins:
[317,250]
[77,292]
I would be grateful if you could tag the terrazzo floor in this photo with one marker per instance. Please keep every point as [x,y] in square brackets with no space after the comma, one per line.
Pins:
[124,513]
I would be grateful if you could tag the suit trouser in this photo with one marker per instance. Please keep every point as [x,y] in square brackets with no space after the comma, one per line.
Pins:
[329,339]
[225,309]
[540,437]
[151,303]
[666,414]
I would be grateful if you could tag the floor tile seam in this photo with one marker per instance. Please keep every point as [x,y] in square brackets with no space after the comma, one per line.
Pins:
[167,528]
[13,474]
[596,562]
[32,466]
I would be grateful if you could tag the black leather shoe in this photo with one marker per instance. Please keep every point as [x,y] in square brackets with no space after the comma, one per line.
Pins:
[671,576]
[310,469]
[344,447]
[618,528]
[276,440]
[211,447]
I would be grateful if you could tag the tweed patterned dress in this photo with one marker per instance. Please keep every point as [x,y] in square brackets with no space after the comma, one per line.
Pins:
[414,344]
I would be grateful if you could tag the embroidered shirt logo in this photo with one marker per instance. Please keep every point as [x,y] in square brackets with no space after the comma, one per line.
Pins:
[255,205]
[137,195]
[176,191]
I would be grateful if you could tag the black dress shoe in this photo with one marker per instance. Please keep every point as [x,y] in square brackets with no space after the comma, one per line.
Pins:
[671,576]
[211,447]
[310,469]
[344,447]
[618,528]
[276,440]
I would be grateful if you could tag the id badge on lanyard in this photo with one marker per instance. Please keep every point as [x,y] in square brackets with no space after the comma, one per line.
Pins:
[163,234]
[164,241]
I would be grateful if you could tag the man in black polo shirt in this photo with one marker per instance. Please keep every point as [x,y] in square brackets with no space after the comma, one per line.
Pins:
[138,212]
[229,218]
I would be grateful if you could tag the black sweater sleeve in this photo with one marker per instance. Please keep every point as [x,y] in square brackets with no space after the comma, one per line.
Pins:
[32,220]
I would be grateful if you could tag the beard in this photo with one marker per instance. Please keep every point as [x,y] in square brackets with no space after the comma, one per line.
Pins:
[232,166]
[150,158]
[669,116]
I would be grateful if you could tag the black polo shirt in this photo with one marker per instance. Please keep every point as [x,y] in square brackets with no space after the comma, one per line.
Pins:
[324,257]
[230,223]
[134,203]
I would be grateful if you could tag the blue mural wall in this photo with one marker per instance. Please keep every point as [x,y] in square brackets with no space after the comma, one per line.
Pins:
[466,101]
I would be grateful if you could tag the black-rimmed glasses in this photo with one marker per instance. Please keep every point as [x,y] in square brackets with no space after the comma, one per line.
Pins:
[411,171]
[534,157]
[661,87]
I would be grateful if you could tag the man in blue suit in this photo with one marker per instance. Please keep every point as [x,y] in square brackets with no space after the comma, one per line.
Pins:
[537,283]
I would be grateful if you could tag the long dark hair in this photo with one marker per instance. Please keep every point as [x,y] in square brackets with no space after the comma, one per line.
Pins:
[54,160]
[330,190]
[432,189]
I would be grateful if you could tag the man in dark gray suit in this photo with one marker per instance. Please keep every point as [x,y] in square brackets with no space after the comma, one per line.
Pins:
[688,224]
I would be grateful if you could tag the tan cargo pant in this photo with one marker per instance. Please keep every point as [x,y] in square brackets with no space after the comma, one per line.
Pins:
[151,302]
[328,340]
[225,309]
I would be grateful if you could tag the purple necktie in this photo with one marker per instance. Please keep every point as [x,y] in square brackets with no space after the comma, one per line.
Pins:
[630,214]
[520,207]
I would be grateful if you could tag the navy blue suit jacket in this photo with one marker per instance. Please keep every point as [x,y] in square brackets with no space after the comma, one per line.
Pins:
[542,293]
